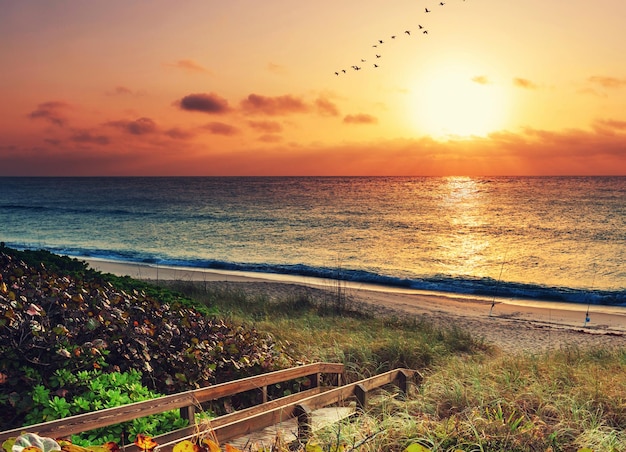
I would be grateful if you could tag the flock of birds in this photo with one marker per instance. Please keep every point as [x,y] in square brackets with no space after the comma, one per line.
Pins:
[421,29]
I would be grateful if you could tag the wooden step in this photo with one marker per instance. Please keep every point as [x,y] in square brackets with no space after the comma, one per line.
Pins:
[287,430]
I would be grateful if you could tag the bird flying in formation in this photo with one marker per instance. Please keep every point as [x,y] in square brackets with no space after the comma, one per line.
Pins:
[380,42]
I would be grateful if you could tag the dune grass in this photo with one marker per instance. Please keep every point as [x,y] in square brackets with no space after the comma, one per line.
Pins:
[472,397]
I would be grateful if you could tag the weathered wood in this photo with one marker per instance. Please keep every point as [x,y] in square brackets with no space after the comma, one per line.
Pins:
[194,430]
[287,430]
[305,418]
[111,416]
[360,392]
[188,413]
[281,414]
[307,405]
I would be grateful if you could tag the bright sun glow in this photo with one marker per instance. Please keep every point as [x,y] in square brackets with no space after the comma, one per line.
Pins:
[451,102]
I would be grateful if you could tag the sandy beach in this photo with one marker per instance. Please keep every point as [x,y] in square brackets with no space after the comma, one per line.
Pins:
[510,325]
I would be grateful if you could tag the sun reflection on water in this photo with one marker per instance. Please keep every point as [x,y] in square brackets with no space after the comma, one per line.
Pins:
[463,206]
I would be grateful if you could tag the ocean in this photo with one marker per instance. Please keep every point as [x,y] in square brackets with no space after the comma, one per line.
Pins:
[546,238]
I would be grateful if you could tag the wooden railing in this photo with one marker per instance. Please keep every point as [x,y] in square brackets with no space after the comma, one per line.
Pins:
[300,405]
[187,402]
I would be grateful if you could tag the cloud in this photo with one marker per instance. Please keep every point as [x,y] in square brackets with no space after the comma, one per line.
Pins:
[266,126]
[270,138]
[51,112]
[189,66]
[124,91]
[609,126]
[88,137]
[280,105]
[607,82]
[205,103]
[120,90]
[506,153]
[326,107]
[141,126]
[219,128]
[276,68]
[481,80]
[524,83]
[360,118]
[179,134]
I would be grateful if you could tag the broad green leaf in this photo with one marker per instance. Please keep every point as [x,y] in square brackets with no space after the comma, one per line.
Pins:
[416,448]
[314,447]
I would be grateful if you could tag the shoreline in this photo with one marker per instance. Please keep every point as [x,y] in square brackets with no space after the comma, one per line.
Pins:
[512,325]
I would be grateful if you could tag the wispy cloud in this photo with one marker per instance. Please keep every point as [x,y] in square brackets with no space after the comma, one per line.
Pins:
[326,107]
[607,82]
[51,111]
[279,105]
[610,126]
[179,134]
[481,80]
[189,66]
[360,118]
[219,128]
[266,126]
[124,91]
[524,83]
[205,103]
[86,136]
[276,68]
[141,126]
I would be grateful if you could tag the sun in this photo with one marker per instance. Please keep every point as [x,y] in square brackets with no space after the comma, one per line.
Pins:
[451,101]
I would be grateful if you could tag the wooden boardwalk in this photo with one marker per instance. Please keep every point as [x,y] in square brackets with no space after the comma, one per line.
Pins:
[288,430]
[290,417]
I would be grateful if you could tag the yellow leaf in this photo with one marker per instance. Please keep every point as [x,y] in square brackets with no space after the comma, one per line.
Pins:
[314,447]
[145,442]
[585,449]
[111,446]
[212,445]
[230,448]
[8,444]
[32,449]
[186,446]
[416,448]
[66,446]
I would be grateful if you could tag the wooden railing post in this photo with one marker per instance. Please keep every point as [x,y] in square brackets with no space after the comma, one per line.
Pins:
[303,414]
[360,392]
[316,380]
[264,393]
[403,381]
[189,413]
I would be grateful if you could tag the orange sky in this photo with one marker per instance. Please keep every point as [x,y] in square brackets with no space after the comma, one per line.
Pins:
[242,87]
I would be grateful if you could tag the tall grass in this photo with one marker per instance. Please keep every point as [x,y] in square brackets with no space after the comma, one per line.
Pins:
[471,398]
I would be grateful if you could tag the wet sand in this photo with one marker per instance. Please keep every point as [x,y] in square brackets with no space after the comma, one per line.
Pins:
[510,325]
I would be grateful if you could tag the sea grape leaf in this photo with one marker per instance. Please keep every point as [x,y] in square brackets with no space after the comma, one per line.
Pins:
[7,445]
[416,448]
[186,446]
[145,442]
[229,448]
[211,445]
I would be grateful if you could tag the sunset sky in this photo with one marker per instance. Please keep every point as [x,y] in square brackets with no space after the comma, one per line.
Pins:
[242,87]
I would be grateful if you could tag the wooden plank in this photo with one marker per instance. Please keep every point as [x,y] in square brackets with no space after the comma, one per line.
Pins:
[111,416]
[280,414]
[191,431]
[287,430]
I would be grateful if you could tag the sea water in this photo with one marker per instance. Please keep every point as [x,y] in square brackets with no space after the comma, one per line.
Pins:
[551,238]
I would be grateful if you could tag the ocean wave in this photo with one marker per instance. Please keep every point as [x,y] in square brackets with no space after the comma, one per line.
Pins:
[467,285]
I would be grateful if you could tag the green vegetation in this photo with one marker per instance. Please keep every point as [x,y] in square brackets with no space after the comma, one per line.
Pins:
[86,391]
[472,398]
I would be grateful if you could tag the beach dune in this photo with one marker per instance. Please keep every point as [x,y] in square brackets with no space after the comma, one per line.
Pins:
[510,325]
